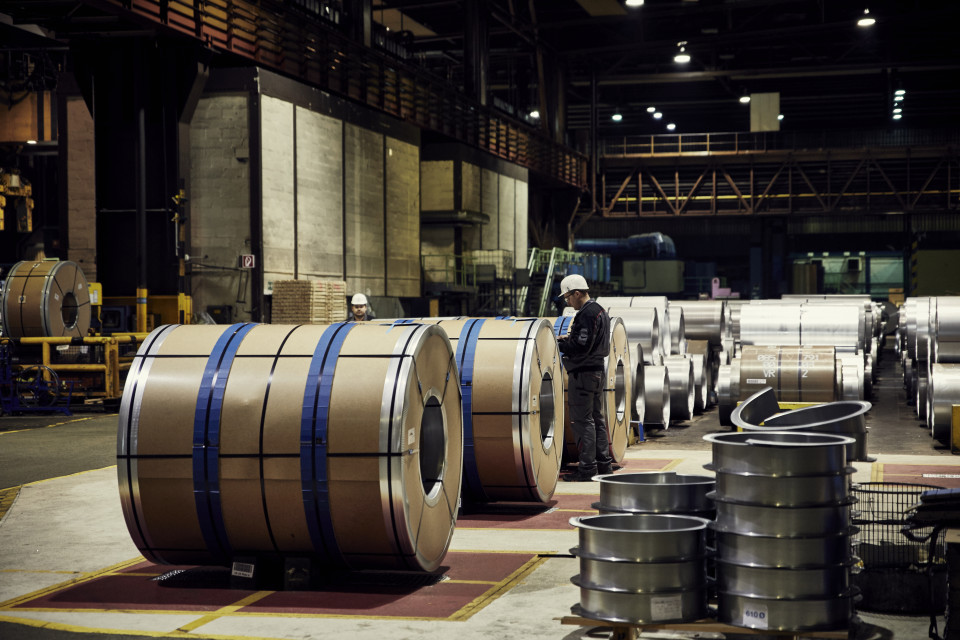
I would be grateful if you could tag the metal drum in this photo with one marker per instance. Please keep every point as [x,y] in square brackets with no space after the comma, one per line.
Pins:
[641,568]
[774,614]
[783,582]
[790,491]
[656,393]
[512,384]
[785,551]
[682,386]
[781,521]
[656,492]
[342,443]
[47,298]
[779,453]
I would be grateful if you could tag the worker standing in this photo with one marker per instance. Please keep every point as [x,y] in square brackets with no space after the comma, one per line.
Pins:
[359,311]
[584,348]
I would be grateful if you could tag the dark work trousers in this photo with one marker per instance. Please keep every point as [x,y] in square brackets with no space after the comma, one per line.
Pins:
[585,393]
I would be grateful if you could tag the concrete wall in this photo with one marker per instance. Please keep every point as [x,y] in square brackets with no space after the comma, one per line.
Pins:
[81,188]
[490,205]
[277,184]
[521,239]
[403,218]
[363,213]
[219,199]
[436,185]
[319,184]
[507,212]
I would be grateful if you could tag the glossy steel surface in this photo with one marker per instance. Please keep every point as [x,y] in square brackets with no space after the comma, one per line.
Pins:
[785,551]
[809,614]
[641,538]
[779,453]
[781,521]
[656,492]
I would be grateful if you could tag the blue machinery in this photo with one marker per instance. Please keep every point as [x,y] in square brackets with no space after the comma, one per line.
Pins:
[33,389]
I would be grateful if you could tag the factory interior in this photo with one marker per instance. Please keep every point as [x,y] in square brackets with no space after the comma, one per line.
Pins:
[288,290]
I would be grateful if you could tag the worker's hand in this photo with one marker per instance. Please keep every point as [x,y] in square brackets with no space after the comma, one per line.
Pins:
[563,337]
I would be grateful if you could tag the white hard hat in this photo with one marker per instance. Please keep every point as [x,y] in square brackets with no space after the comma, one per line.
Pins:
[358,298]
[574,282]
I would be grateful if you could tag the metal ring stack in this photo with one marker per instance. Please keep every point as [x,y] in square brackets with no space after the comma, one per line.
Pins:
[641,569]
[783,530]
[45,299]
[341,443]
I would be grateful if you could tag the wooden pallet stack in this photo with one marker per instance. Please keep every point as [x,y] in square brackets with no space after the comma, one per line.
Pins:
[309,301]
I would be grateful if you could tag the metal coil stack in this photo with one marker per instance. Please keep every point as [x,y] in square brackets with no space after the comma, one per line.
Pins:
[783,530]
[928,335]
[45,299]
[619,390]
[682,387]
[341,444]
[663,492]
[641,568]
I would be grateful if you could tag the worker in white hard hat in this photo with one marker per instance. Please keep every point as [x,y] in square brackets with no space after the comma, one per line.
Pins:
[584,348]
[359,311]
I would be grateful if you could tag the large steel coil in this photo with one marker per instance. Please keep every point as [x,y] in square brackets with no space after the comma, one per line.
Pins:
[619,388]
[656,388]
[712,359]
[700,381]
[643,328]
[669,339]
[678,341]
[833,325]
[340,443]
[705,320]
[943,391]
[797,374]
[639,403]
[947,342]
[45,299]
[770,324]
[512,382]
[682,386]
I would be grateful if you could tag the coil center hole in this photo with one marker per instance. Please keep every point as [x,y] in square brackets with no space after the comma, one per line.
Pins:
[547,411]
[433,447]
[68,310]
[620,392]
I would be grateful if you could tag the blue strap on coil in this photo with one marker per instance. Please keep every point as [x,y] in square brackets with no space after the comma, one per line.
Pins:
[466,352]
[313,439]
[206,438]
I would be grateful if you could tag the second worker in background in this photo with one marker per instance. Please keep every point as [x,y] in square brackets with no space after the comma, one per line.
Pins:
[584,348]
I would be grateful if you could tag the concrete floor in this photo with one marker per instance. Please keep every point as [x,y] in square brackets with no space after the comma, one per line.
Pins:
[66,523]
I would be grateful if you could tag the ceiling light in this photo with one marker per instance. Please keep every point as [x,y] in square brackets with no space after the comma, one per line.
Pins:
[671,127]
[31,142]
[535,114]
[617,116]
[898,98]
[867,20]
[634,3]
[744,99]
[897,116]
[779,116]
[651,109]
[898,110]
[899,92]
[683,57]
[657,115]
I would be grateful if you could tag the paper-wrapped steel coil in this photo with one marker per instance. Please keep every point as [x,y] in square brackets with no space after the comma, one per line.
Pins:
[45,299]
[512,382]
[340,443]
[797,374]
[618,393]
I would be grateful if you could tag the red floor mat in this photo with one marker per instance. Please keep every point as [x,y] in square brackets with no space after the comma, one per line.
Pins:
[941,475]
[468,579]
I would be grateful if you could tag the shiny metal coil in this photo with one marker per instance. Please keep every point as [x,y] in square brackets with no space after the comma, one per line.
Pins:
[656,394]
[682,387]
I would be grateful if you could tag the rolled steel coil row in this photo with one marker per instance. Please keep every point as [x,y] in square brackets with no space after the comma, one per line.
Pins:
[783,530]
[621,395]
[797,374]
[928,335]
[48,298]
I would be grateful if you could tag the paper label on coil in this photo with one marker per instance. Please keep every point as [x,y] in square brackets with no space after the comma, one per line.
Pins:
[756,381]
[411,436]
[755,616]
[666,608]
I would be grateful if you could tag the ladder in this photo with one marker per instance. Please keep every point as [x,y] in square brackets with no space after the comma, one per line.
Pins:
[548,283]
[531,266]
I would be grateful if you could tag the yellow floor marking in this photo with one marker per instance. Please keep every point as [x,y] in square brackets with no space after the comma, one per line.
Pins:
[81,578]
[587,510]
[497,590]
[69,475]
[56,424]
[470,582]
[876,472]
[673,464]
[7,498]
[233,608]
